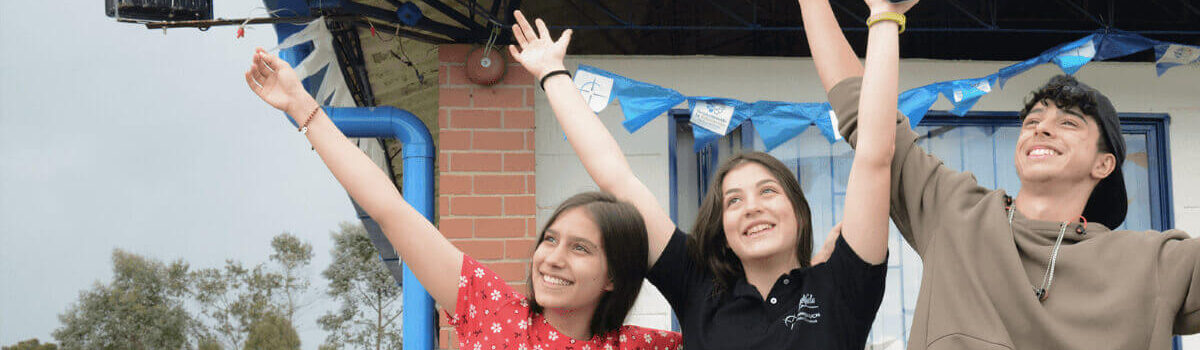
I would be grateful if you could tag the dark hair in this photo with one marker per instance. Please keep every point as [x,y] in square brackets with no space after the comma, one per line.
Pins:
[1065,92]
[707,243]
[623,236]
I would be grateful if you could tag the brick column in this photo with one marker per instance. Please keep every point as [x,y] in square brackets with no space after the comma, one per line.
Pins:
[486,167]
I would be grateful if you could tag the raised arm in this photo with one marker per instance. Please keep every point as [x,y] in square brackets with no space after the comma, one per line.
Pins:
[431,257]
[865,228]
[597,149]
[831,53]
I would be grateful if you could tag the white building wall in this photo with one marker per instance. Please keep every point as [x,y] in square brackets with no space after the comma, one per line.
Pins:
[1133,87]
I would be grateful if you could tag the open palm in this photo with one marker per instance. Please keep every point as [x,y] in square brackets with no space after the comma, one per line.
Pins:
[274,81]
[538,53]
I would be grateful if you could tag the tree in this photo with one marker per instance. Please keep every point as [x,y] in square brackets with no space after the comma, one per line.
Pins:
[293,257]
[234,298]
[142,308]
[272,332]
[369,314]
[31,344]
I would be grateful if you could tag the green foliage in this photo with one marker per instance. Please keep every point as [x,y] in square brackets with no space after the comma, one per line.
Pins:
[142,308]
[31,344]
[293,256]
[208,344]
[235,298]
[272,332]
[369,312]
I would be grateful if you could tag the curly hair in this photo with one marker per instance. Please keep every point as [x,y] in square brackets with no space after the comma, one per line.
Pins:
[1065,92]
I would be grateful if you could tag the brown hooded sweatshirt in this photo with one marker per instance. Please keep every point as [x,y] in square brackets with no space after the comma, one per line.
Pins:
[1111,289]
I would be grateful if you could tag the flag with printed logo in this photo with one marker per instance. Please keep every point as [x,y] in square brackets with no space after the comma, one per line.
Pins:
[640,102]
[1172,55]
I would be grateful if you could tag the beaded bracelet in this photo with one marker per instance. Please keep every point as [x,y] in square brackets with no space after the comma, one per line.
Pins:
[304,127]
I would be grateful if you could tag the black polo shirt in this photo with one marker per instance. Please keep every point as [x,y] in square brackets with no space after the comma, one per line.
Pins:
[827,306]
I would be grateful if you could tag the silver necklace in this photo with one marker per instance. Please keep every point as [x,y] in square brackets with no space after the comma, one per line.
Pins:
[1048,277]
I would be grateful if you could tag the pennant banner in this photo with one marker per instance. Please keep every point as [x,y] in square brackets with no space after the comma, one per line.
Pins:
[1074,55]
[1171,55]
[640,102]
[776,122]
[332,90]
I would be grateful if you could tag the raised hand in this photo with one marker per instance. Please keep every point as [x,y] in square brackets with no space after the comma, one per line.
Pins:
[880,6]
[827,247]
[274,81]
[538,53]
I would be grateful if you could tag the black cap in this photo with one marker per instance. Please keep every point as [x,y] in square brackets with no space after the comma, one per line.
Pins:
[1109,202]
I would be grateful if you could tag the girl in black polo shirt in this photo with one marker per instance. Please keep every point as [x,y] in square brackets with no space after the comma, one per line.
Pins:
[743,279]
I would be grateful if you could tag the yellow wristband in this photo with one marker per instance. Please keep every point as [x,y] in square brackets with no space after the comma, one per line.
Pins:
[887,16]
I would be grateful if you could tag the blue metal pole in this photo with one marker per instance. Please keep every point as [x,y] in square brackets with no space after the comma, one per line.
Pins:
[419,325]
[420,328]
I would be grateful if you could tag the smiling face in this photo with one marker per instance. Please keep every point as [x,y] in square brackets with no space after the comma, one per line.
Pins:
[569,269]
[759,219]
[1060,145]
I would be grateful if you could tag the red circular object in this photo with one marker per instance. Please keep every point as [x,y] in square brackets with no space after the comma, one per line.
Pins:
[485,70]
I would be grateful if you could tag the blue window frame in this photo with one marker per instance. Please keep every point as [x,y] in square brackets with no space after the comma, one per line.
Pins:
[982,142]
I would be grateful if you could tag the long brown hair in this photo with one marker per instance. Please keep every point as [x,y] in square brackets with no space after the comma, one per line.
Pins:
[623,236]
[707,243]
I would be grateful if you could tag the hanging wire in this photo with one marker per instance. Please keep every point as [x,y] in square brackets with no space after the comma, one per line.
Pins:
[241,29]
[402,56]
[491,41]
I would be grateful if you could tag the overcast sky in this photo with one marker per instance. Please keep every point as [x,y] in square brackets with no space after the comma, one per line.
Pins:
[115,136]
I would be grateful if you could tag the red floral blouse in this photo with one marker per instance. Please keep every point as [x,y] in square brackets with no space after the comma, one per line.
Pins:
[492,315]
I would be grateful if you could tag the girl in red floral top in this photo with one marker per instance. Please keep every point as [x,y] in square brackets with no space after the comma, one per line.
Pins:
[582,291]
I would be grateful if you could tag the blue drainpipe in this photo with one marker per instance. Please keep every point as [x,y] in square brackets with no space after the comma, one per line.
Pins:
[419,325]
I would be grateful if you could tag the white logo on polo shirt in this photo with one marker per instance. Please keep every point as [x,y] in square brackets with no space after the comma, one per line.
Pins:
[807,311]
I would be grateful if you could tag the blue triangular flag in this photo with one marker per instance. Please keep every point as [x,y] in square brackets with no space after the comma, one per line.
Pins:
[915,103]
[1169,55]
[710,114]
[827,121]
[1073,56]
[640,102]
[1119,43]
[777,122]
[963,94]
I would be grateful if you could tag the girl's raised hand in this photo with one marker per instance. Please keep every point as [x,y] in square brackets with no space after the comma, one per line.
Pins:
[538,53]
[274,81]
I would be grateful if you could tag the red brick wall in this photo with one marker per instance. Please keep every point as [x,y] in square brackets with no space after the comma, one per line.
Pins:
[486,168]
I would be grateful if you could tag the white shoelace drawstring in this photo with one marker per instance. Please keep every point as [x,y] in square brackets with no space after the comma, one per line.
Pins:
[1048,277]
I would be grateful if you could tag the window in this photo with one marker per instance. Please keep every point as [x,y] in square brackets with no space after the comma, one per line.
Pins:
[981,143]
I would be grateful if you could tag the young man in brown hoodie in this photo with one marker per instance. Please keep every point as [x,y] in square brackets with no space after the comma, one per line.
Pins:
[1042,270]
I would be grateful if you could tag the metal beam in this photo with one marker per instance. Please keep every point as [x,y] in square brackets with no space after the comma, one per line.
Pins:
[487,15]
[960,8]
[729,13]
[608,12]
[418,36]
[459,34]
[838,5]
[1073,5]
[205,24]
[864,29]
[607,35]
[449,12]
[1187,4]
